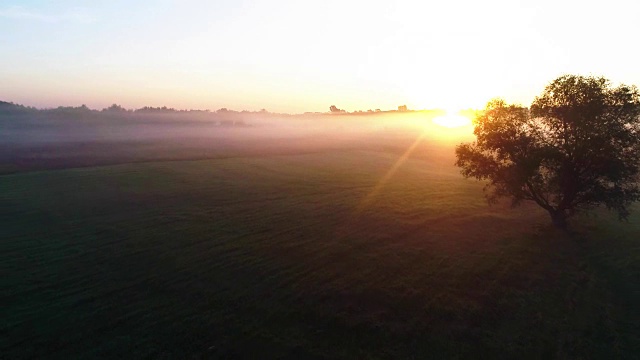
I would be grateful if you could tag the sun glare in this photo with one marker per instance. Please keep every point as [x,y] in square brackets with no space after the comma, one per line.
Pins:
[452,119]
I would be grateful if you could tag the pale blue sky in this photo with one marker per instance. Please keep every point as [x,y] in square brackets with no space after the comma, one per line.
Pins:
[296,56]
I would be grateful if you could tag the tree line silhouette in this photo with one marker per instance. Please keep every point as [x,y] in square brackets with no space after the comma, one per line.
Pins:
[9,108]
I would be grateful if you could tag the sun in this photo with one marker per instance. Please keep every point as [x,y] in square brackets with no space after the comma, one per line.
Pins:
[452,119]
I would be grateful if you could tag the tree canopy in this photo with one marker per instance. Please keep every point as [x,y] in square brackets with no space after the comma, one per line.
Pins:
[576,147]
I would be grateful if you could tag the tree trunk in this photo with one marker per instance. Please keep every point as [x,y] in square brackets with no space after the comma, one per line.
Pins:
[559,218]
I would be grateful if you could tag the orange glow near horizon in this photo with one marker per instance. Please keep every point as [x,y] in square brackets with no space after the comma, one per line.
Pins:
[450,128]
[452,119]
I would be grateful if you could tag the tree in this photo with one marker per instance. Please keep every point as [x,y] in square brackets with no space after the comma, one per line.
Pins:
[334,109]
[115,108]
[577,147]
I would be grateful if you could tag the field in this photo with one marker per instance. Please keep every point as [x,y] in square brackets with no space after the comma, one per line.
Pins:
[300,256]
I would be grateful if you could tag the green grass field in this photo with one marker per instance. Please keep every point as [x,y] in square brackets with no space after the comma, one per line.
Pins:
[291,257]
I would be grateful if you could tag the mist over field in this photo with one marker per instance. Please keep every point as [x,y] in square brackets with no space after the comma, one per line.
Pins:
[69,137]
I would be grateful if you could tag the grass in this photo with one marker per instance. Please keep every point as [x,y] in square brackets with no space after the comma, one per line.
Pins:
[280,257]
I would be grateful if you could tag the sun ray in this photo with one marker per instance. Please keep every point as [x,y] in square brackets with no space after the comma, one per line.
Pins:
[387,176]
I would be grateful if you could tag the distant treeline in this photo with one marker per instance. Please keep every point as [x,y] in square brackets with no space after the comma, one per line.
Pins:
[222,117]
[9,107]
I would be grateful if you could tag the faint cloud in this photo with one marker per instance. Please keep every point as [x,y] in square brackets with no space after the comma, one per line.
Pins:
[72,15]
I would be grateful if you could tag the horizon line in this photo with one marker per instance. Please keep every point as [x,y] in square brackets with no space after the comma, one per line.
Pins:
[117,107]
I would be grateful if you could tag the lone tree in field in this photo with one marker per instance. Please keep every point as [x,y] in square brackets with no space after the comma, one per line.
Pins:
[575,148]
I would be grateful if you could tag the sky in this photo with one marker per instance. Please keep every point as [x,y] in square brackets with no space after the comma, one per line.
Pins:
[296,56]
